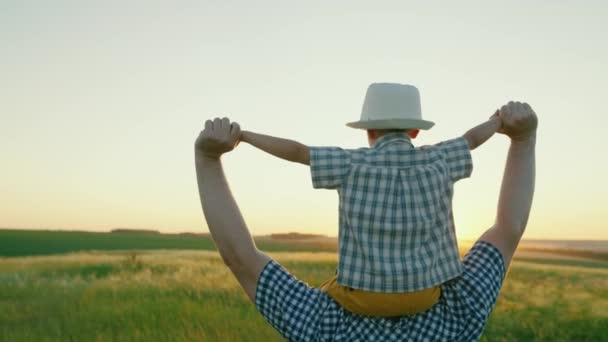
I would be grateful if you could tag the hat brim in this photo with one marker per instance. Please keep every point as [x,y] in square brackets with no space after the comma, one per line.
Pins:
[392,124]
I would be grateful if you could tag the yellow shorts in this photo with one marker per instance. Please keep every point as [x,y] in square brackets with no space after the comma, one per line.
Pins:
[380,304]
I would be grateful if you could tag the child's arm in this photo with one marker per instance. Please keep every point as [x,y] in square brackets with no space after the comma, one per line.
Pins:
[282,148]
[481,133]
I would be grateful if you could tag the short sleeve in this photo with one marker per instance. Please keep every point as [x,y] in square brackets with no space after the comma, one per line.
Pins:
[457,156]
[292,307]
[328,166]
[483,276]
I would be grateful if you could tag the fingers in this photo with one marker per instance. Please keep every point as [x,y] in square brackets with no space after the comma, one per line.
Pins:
[512,106]
[505,110]
[218,137]
[528,108]
[217,124]
[235,131]
[223,127]
[519,106]
[514,109]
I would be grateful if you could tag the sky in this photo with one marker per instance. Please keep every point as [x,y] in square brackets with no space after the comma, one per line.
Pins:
[101,101]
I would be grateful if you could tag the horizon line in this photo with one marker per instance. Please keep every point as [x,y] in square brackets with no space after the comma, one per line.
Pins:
[254,235]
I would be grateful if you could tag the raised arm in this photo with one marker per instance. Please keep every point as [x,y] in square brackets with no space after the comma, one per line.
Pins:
[226,224]
[517,190]
[481,133]
[283,148]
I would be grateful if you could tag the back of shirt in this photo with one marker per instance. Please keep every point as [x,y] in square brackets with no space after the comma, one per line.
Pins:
[396,223]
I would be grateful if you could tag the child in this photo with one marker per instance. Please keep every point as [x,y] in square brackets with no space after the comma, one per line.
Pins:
[396,238]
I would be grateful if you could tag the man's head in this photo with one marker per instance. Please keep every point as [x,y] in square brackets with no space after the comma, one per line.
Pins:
[374,134]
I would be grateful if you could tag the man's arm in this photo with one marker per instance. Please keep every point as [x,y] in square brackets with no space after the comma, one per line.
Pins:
[517,190]
[226,224]
[481,133]
[283,148]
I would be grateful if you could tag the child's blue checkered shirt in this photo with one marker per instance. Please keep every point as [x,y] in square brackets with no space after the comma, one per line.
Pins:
[396,223]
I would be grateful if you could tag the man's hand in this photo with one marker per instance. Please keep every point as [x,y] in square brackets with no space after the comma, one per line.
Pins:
[218,137]
[519,121]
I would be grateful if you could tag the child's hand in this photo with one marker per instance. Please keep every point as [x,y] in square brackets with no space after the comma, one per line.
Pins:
[498,119]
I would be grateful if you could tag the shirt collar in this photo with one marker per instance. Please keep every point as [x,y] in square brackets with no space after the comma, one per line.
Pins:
[392,138]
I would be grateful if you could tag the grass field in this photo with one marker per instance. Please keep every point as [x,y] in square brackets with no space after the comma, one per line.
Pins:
[177,295]
[42,242]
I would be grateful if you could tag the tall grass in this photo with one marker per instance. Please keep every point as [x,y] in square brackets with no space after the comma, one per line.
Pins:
[190,295]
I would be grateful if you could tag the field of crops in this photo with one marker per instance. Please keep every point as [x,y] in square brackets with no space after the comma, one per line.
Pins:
[178,295]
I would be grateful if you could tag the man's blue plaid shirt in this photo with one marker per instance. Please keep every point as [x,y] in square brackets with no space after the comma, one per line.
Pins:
[302,313]
[396,224]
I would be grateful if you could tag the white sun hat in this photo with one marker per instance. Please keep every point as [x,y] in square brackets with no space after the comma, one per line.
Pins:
[391,106]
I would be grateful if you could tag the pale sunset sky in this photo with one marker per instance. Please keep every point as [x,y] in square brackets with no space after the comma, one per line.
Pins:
[101,102]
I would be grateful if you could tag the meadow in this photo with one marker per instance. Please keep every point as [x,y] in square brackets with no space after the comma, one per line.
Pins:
[174,294]
[46,242]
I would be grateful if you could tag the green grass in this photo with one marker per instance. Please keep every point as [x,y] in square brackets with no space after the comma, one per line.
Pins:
[154,296]
[190,295]
[41,242]
[543,303]
[186,295]
[576,263]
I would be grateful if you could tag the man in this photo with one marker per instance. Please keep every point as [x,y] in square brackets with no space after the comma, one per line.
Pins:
[301,313]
